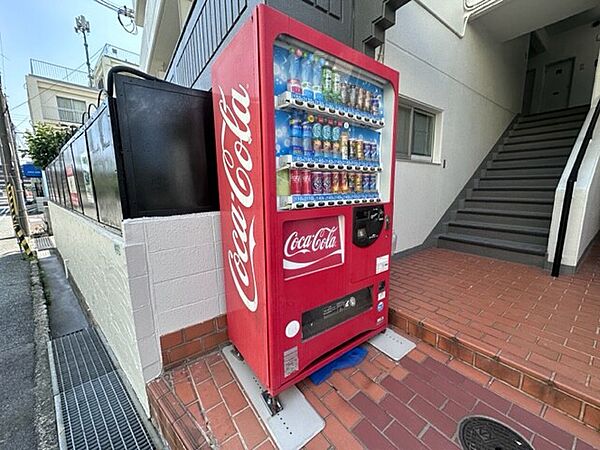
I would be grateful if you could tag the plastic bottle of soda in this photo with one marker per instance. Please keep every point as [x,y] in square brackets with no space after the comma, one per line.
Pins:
[336,85]
[317,137]
[327,81]
[293,82]
[327,139]
[307,144]
[306,75]
[296,135]
[316,79]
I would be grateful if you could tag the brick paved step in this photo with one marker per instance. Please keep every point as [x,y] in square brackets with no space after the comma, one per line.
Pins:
[524,218]
[545,136]
[553,143]
[508,232]
[556,169]
[545,192]
[522,252]
[523,180]
[510,203]
[535,153]
[529,162]
[561,113]
[519,131]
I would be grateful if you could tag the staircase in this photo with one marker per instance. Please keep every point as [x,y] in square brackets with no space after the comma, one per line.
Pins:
[506,211]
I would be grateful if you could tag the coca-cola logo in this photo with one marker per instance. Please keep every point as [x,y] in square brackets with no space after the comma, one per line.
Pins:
[312,245]
[236,135]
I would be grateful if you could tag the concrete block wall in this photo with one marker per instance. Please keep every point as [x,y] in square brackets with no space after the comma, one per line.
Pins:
[175,274]
[95,258]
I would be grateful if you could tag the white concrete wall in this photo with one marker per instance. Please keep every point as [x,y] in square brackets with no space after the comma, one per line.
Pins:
[175,277]
[95,258]
[476,82]
[579,43]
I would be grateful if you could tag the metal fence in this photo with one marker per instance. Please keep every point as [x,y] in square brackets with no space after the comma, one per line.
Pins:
[56,72]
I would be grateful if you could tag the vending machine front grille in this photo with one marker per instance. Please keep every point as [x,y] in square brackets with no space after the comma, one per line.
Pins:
[327,316]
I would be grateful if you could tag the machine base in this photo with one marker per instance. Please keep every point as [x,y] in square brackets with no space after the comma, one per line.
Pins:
[392,344]
[295,424]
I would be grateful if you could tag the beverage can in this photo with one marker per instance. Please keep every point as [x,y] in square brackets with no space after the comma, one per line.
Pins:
[335,182]
[317,133]
[306,181]
[344,145]
[295,182]
[327,150]
[352,149]
[358,182]
[327,129]
[344,182]
[317,182]
[351,180]
[360,150]
[335,141]
[367,151]
[374,152]
[373,182]
[367,100]
[296,136]
[375,105]
[326,182]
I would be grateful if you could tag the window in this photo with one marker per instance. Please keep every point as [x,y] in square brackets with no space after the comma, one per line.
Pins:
[69,109]
[415,133]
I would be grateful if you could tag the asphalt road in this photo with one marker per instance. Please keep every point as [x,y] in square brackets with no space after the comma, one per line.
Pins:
[17,359]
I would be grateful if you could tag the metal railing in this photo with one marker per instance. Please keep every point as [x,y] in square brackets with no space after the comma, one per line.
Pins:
[566,206]
[120,54]
[56,72]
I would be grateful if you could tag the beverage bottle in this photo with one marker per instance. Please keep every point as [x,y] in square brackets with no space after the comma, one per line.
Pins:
[296,135]
[368,107]
[327,81]
[352,94]
[344,93]
[306,75]
[336,132]
[336,85]
[317,79]
[344,142]
[317,137]
[307,143]
[327,139]
[293,83]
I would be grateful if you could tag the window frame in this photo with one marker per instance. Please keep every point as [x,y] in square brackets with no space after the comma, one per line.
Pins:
[70,111]
[425,110]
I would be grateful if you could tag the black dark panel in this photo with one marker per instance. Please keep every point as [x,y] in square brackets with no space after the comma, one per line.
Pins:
[84,176]
[104,168]
[168,148]
[71,179]
[66,198]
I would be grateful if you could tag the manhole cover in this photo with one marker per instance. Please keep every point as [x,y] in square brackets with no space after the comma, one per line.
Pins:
[482,433]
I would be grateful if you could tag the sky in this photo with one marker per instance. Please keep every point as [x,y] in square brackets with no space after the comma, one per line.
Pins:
[44,30]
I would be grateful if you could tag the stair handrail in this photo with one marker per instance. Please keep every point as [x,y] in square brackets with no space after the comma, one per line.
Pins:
[566,206]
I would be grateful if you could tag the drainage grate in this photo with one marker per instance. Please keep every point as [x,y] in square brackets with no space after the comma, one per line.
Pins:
[43,243]
[94,408]
[98,414]
[483,433]
[79,357]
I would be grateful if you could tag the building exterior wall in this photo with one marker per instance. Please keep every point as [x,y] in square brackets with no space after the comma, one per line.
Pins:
[95,259]
[579,43]
[477,90]
[175,273]
[42,94]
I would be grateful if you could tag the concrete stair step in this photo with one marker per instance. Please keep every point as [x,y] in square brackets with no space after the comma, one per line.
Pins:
[510,232]
[518,130]
[495,248]
[510,203]
[529,162]
[541,192]
[536,219]
[522,180]
[559,113]
[553,143]
[546,136]
[551,121]
[535,153]
[529,170]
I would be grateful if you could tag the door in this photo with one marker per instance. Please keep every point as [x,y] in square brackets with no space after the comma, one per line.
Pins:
[557,85]
[528,92]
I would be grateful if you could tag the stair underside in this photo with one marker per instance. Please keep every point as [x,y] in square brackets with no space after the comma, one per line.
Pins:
[507,212]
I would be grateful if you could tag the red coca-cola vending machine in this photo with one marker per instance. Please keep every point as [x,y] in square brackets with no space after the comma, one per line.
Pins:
[305,132]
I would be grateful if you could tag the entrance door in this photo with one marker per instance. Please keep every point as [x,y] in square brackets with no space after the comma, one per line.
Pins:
[557,85]
[528,91]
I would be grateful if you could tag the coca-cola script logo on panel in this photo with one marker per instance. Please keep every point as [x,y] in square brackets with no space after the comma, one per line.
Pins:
[311,245]
[236,136]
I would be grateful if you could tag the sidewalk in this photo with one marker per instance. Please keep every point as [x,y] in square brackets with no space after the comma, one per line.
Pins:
[17,358]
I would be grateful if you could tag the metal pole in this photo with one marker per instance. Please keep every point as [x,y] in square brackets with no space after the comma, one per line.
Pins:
[10,164]
[87,59]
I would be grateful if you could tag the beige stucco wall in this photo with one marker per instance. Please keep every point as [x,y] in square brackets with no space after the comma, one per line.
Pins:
[96,261]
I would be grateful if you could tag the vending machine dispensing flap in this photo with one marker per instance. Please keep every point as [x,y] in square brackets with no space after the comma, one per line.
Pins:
[367,224]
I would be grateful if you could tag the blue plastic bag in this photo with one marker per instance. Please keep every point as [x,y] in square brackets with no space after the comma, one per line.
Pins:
[349,359]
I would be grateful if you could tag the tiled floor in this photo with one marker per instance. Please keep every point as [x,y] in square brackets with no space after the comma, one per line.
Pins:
[414,404]
[519,315]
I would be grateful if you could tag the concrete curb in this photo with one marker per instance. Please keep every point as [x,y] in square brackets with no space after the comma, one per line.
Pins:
[45,419]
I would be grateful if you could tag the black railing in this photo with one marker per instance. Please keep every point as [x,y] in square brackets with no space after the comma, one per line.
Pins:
[566,206]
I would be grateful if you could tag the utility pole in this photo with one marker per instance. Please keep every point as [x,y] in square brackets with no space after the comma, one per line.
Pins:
[10,164]
[83,26]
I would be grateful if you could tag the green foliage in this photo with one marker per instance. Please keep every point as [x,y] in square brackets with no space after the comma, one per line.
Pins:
[45,143]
